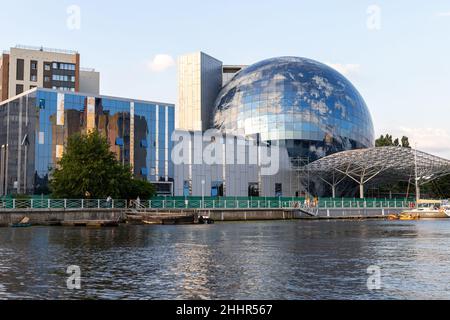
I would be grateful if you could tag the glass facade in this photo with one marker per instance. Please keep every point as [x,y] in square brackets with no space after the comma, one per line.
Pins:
[35,128]
[304,105]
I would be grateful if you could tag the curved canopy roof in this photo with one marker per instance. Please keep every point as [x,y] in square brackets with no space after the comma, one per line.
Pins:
[382,164]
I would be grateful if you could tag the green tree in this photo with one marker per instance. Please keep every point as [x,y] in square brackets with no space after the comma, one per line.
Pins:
[388,141]
[90,169]
[405,142]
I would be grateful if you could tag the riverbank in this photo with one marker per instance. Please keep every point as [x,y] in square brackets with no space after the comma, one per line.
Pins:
[49,217]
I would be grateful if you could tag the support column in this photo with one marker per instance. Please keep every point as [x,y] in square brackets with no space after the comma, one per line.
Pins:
[417,193]
[333,190]
[361,191]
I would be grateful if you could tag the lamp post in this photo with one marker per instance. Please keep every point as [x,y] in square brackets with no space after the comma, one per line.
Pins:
[203,194]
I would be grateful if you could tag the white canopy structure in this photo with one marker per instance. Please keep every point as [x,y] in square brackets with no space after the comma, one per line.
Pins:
[378,165]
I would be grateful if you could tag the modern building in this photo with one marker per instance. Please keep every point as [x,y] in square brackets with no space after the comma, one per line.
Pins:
[238,168]
[23,68]
[229,71]
[199,82]
[36,125]
[304,105]
[306,108]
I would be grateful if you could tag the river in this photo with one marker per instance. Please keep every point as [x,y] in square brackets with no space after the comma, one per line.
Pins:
[253,260]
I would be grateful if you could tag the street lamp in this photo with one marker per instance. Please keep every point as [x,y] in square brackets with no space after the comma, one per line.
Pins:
[203,194]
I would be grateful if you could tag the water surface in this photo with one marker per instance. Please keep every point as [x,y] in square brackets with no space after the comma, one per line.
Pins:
[255,260]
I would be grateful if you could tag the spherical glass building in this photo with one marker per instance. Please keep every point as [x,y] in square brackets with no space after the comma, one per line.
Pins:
[302,104]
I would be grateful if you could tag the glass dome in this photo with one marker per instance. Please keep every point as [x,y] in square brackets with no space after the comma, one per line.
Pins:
[304,105]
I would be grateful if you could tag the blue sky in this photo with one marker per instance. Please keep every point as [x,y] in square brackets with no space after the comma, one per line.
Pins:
[396,52]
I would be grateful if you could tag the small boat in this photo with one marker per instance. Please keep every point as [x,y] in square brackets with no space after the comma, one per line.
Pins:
[24,223]
[436,209]
[393,217]
[205,220]
[20,225]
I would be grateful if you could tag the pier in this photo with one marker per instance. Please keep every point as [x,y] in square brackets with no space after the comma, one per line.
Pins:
[103,213]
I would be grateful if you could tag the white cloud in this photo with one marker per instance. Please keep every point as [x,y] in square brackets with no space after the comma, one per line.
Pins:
[432,140]
[443,14]
[345,69]
[161,62]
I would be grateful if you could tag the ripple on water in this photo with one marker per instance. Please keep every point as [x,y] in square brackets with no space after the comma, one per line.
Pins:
[261,260]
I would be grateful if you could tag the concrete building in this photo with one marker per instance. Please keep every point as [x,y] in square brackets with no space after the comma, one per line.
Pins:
[89,81]
[238,172]
[23,68]
[229,71]
[199,82]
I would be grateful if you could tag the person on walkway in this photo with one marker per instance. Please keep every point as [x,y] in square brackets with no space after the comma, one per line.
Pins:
[108,201]
[138,202]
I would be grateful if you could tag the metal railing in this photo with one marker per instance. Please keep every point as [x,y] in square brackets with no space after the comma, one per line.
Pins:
[35,204]
[52,50]
[272,204]
[196,204]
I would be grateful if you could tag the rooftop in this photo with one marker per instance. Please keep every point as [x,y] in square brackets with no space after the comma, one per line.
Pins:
[63,51]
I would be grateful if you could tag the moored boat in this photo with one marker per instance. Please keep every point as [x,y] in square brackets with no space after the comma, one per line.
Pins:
[426,209]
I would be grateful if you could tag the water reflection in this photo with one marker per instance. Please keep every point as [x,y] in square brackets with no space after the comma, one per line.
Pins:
[269,260]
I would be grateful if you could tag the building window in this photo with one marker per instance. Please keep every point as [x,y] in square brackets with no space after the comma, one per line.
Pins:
[144,143]
[253,189]
[47,67]
[19,89]
[217,189]
[34,65]
[20,69]
[72,78]
[119,142]
[33,78]
[55,65]
[187,188]
[41,103]
[46,79]
[278,190]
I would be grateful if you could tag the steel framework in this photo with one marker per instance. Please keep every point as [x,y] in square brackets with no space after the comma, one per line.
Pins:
[378,166]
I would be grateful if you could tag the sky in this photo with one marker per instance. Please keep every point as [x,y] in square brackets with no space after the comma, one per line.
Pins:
[395,52]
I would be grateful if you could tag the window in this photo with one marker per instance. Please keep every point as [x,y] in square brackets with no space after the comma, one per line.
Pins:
[19,88]
[72,78]
[46,79]
[253,189]
[187,188]
[41,103]
[34,65]
[119,142]
[47,67]
[55,65]
[278,190]
[33,77]
[217,189]
[20,70]
[144,143]
[67,66]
